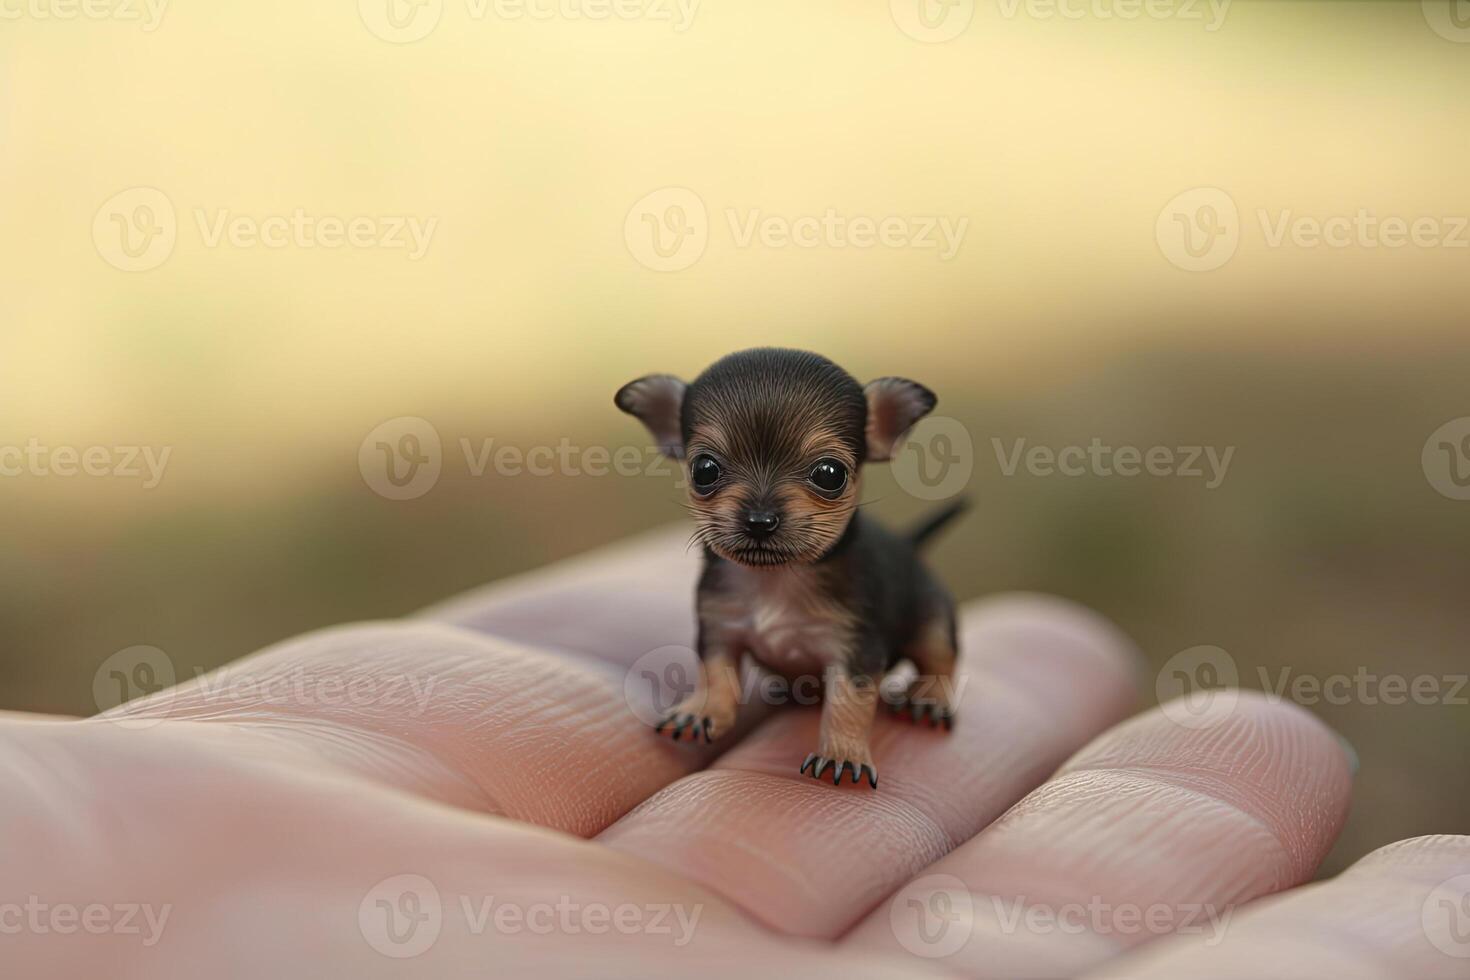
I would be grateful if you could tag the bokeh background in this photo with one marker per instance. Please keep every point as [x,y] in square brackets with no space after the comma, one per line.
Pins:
[542,146]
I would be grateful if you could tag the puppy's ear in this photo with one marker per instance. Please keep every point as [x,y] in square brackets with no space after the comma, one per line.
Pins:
[894,405]
[658,401]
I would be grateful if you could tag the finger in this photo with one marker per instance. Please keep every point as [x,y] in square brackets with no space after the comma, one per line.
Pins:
[1155,827]
[461,717]
[1039,678]
[1402,911]
[615,604]
[196,845]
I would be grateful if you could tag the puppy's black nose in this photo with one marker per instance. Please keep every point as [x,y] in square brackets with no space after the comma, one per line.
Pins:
[761,523]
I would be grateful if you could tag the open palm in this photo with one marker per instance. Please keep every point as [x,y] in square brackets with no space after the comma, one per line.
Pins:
[468,793]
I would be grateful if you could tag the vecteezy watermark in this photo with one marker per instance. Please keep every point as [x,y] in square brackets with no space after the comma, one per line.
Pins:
[1446,459]
[403,916]
[41,918]
[406,21]
[147,14]
[1200,230]
[1199,687]
[1445,917]
[1450,19]
[129,674]
[670,675]
[146,671]
[932,916]
[932,21]
[669,229]
[1100,917]
[1207,463]
[145,463]
[1210,13]
[403,458]
[938,459]
[936,916]
[1363,686]
[138,229]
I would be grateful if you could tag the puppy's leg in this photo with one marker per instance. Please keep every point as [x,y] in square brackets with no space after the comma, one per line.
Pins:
[710,710]
[933,694]
[850,701]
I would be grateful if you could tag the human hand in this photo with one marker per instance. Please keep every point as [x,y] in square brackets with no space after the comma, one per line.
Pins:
[468,793]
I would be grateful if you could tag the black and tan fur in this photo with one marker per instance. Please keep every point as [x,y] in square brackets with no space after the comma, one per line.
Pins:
[794,575]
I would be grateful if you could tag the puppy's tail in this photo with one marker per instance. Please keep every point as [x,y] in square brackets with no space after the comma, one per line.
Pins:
[920,533]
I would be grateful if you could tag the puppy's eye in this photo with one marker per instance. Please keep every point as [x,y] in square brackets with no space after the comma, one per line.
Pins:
[829,476]
[704,473]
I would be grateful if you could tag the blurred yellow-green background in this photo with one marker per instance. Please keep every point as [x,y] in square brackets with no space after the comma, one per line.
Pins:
[207,248]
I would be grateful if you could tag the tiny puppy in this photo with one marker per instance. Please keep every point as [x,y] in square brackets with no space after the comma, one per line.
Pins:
[772,442]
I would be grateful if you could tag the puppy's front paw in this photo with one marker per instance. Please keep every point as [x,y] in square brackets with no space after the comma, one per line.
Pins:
[936,715]
[816,764]
[697,721]
[926,703]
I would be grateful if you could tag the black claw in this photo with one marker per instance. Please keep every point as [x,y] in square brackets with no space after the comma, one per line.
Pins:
[837,773]
[707,738]
[809,760]
[822,763]
[870,772]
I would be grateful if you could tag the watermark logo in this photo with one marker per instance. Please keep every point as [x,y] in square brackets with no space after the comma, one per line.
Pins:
[406,21]
[667,230]
[1445,917]
[1446,459]
[671,676]
[402,458]
[1209,12]
[136,230]
[1099,459]
[661,679]
[1450,19]
[1198,687]
[1199,230]
[401,916]
[401,21]
[932,21]
[932,916]
[1103,918]
[937,460]
[136,672]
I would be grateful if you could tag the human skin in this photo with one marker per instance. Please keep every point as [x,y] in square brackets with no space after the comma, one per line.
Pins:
[272,808]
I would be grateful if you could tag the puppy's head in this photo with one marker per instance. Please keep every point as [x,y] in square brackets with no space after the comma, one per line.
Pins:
[772,442]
